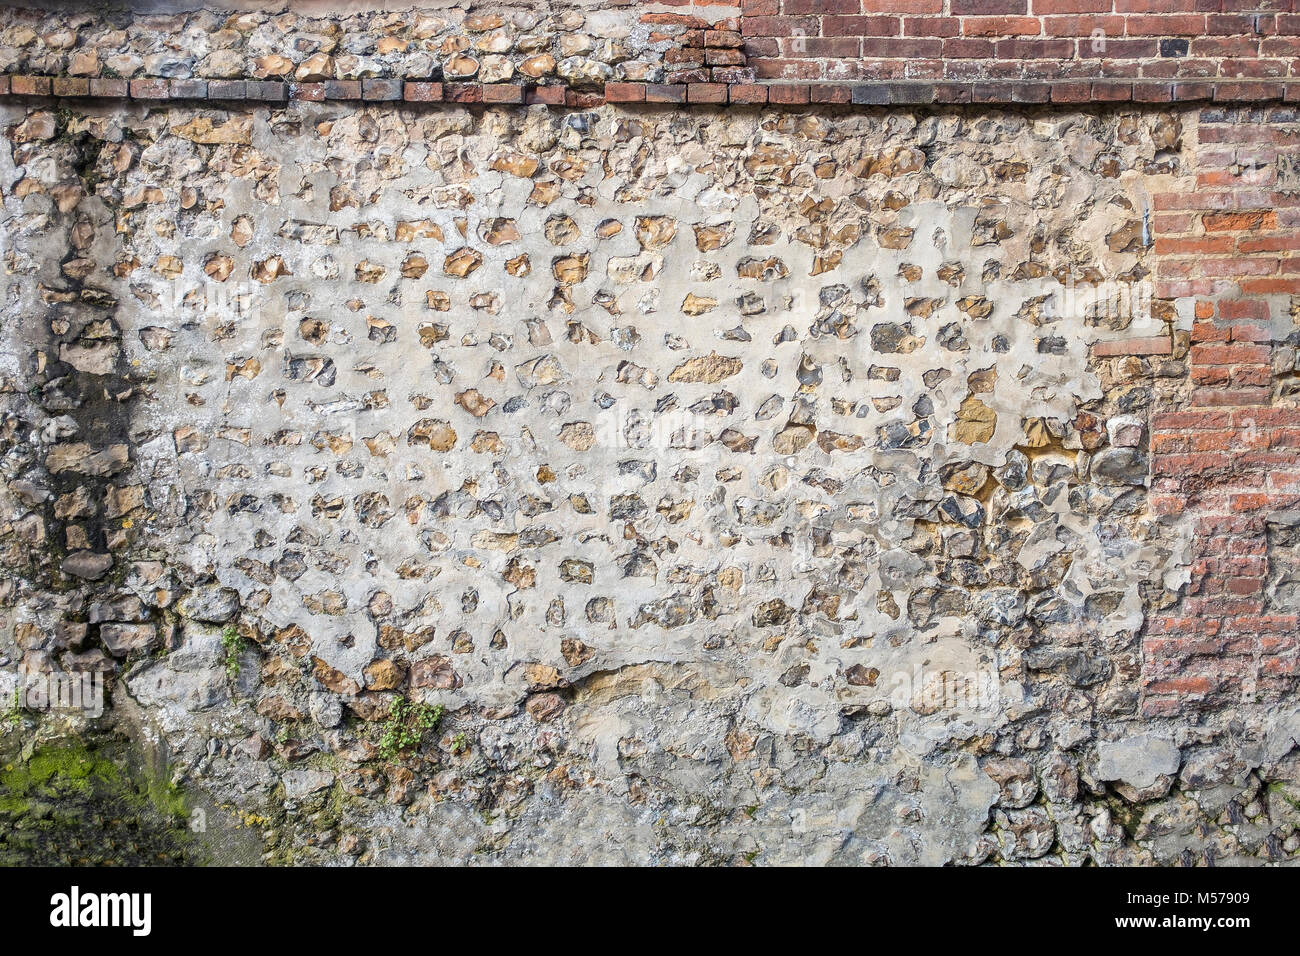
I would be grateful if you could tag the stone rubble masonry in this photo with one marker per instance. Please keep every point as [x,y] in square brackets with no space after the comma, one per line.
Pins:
[684,439]
[779,52]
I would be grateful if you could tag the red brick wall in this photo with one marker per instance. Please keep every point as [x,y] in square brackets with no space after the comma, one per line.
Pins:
[1013,39]
[987,50]
[1225,460]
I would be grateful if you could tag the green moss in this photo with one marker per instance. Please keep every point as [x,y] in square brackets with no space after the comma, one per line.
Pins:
[14,715]
[77,802]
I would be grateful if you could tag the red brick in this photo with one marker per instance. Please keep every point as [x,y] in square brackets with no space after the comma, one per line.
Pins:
[1230,24]
[860,26]
[1184,92]
[953,92]
[706,93]
[789,94]
[1269,244]
[779,26]
[687,76]
[1209,332]
[824,93]
[343,89]
[675,19]
[1083,26]
[733,74]
[1270,286]
[1105,92]
[1198,246]
[1237,267]
[665,93]
[757,47]
[924,69]
[747,93]
[381,90]
[148,89]
[32,85]
[463,92]
[1153,92]
[546,95]
[724,58]
[1181,687]
[1190,464]
[1211,376]
[187,89]
[1071,92]
[1225,397]
[1224,46]
[1244,309]
[962,48]
[1148,345]
[888,47]
[503,93]
[1185,24]
[1035,49]
[1247,375]
[903,6]
[71,86]
[1247,92]
[1048,7]
[684,58]
[625,92]
[723,38]
[420,91]
[830,47]
[108,87]
[819,7]
[583,99]
[1239,221]
[986,7]
[1245,332]
[1000,26]
[931,26]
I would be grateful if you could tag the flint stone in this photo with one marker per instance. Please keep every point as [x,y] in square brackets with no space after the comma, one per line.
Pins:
[1137,761]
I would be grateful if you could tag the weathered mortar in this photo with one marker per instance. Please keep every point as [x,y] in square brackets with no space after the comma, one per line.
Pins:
[678,456]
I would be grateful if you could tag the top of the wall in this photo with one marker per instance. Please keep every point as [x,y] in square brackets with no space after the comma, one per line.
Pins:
[585,52]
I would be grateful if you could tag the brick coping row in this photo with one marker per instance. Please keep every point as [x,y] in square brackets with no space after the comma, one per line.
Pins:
[879,93]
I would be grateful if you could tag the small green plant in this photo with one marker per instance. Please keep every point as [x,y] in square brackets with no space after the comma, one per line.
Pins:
[406,726]
[459,743]
[14,715]
[233,643]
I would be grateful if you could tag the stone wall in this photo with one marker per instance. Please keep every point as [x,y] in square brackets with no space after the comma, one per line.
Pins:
[447,481]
